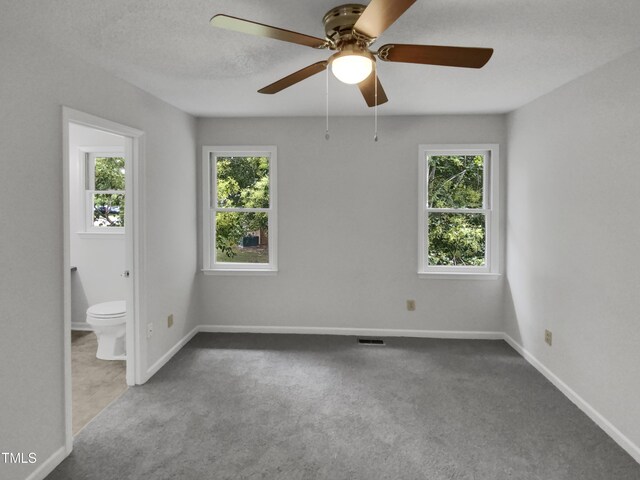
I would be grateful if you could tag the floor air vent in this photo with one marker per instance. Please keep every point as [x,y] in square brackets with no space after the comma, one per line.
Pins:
[370,341]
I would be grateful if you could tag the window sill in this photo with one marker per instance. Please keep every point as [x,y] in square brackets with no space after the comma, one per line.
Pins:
[100,234]
[232,272]
[458,276]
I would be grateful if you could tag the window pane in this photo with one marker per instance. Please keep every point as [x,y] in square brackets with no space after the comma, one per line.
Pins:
[457,239]
[108,210]
[109,173]
[455,181]
[242,237]
[243,182]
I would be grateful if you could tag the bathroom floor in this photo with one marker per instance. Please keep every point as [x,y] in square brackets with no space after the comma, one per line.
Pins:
[96,383]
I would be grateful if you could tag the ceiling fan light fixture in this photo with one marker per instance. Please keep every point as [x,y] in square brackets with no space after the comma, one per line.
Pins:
[351,69]
[352,66]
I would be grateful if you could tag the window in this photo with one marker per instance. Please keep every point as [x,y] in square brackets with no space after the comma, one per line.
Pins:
[104,192]
[240,223]
[458,224]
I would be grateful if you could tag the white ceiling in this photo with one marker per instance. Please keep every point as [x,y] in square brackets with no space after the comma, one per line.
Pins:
[167,48]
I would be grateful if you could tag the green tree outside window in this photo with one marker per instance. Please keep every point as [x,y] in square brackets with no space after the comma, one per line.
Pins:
[456,182]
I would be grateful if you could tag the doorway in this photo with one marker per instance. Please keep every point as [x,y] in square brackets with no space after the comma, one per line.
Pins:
[101,171]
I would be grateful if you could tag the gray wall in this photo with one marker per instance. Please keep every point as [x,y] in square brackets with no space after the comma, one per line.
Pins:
[348,228]
[35,80]
[573,237]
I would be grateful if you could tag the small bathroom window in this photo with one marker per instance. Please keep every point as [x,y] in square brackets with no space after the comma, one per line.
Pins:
[104,192]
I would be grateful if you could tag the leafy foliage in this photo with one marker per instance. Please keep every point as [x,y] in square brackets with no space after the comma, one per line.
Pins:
[109,208]
[456,239]
[242,182]
[231,227]
[456,182]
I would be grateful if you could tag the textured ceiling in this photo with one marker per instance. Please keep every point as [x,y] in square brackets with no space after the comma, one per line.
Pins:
[168,49]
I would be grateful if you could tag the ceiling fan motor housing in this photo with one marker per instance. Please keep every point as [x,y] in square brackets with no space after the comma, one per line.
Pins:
[338,26]
[352,49]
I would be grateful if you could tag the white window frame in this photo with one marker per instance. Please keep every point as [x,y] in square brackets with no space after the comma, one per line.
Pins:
[210,208]
[490,208]
[88,178]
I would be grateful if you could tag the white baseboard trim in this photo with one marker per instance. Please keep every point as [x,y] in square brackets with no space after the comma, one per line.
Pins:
[49,464]
[83,326]
[622,440]
[153,369]
[378,332]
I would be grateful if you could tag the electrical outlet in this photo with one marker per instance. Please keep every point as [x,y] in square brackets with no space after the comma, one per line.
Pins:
[548,337]
[149,330]
[170,321]
[411,305]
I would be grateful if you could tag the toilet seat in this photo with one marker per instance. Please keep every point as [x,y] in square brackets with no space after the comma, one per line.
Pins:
[108,310]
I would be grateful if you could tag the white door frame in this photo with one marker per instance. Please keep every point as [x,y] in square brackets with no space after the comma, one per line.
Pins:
[134,150]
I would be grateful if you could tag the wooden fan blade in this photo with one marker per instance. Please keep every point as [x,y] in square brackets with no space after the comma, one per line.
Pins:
[261,30]
[294,78]
[379,15]
[367,87]
[435,55]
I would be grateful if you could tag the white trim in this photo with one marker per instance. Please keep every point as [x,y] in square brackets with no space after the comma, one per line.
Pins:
[66,282]
[208,210]
[244,210]
[619,437]
[93,235]
[134,154]
[89,149]
[490,210]
[88,120]
[137,200]
[49,464]
[246,272]
[380,332]
[88,178]
[459,276]
[153,369]
[483,211]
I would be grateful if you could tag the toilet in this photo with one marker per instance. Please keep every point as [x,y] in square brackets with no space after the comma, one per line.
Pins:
[109,324]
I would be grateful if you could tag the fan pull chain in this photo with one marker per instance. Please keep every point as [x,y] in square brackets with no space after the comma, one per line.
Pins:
[326,134]
[375,107]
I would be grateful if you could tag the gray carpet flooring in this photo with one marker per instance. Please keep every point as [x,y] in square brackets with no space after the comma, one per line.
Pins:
[243,406]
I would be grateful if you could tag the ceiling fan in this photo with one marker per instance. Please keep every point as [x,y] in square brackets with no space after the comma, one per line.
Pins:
[350,30]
